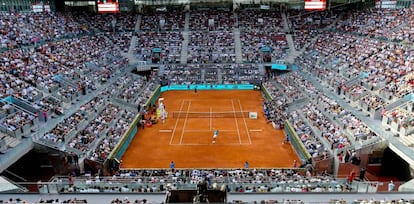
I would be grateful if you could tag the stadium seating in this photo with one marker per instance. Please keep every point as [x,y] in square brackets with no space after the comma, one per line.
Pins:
[50,68]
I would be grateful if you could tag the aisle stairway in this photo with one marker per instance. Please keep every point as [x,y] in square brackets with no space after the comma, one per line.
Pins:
[130,55]
[138,23]
[292,51]
[238,46]
[184,46]
[285,22]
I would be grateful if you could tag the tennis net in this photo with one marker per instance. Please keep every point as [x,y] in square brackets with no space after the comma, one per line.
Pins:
[234,114]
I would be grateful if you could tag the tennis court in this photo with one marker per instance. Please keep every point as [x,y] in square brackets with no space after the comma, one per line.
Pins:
[187,134]
[196,121]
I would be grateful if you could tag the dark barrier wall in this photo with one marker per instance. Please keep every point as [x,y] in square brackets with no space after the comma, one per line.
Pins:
[187,196]
[296,142]
[154,97]
[389,163]
[266,93]
[123,144]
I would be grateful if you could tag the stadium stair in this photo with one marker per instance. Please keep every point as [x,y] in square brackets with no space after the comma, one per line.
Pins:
[12,141]
[184,46]
[237,46]
[408,140]
[138,23]
[285,22]
[130,55]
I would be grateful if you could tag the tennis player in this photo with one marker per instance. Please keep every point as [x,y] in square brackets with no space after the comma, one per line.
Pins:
[215,135]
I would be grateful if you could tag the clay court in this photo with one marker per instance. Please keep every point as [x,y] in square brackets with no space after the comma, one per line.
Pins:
[187,134]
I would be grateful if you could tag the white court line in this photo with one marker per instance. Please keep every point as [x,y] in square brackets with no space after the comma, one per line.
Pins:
[185,122]
[165,130]
[256,130]
[235,119]
[176,122]
[245,124]
[208,144]
[209,130]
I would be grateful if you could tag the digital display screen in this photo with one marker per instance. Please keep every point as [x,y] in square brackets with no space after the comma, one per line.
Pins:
[108,6]
[315,4]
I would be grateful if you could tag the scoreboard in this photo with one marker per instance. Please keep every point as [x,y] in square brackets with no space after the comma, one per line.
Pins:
[108,6]
[315,4]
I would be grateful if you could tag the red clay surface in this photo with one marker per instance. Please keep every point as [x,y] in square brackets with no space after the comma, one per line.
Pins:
[188,141]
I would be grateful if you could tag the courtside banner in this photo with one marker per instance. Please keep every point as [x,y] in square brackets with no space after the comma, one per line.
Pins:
[208,87]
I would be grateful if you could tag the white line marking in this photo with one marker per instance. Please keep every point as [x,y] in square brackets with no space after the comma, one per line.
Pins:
[235,119]
[185,122]
[209,130]
[245,124]
[256,130]
[208,144]
[176,122]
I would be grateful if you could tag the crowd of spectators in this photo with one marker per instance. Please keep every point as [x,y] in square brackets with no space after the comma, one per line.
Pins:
[130,87]
[356,128]
[145,94]
[330,131]
[312,143]
[55,67]
[261,35]
[260,20]
[159,47]
[28,28]
[42,200]
[373,102]
[354,91]
[399,87]
[69,125]
[211,47]
[392,24]
[233,73]
[382,65]
[95,129]
[212,20]
[172,20]
[401,117]
[181,74]
[59,68]
[17,120]
[363,60]
[113,136]
[305,25]
[120,22]
[232,180]
[123,40]
[287,84]
[275,109]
